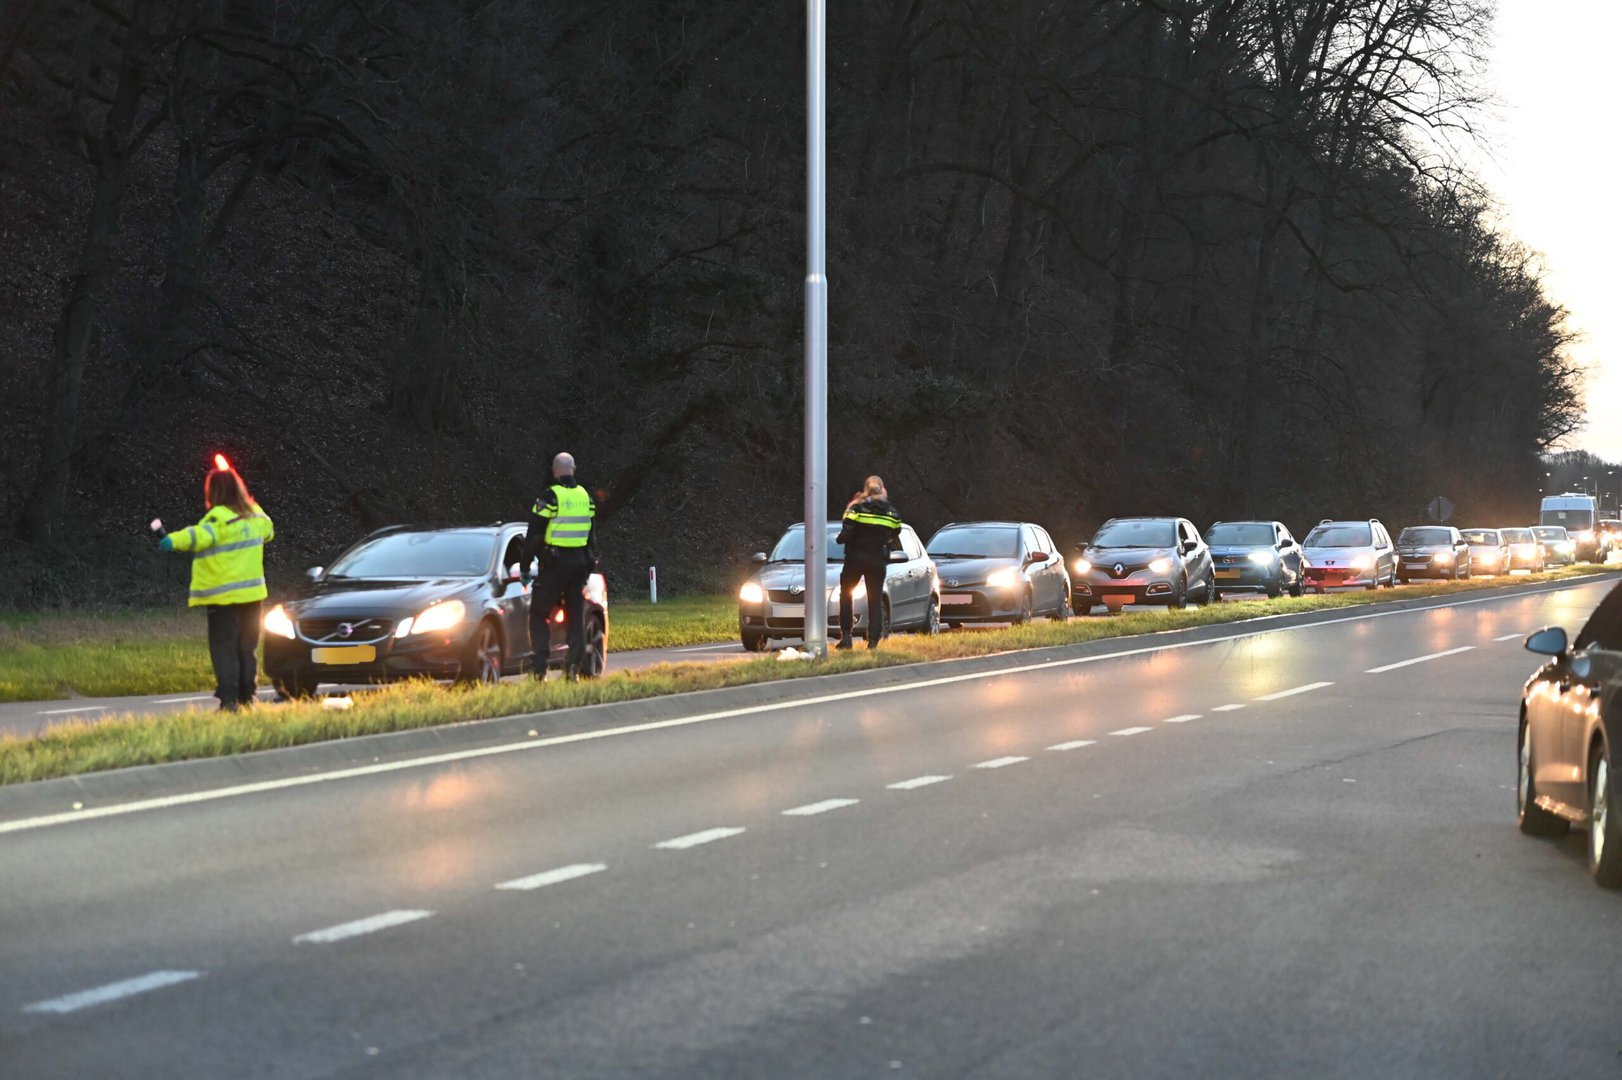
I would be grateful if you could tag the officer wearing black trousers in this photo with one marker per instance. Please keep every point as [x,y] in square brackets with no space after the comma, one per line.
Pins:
[870,530]
[562,531]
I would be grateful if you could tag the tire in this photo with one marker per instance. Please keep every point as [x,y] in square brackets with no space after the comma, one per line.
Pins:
[295,687]
[1391,582]
[1405,580]
[1373,585]
[1217,596]
[1025,610]
[1179,598]
[485,657]
[1064,612]
[753,640]
[595,660]
[1604,824]
[1299,587]
[932,619]
[1275,588]
[1532,819]
[1210,590]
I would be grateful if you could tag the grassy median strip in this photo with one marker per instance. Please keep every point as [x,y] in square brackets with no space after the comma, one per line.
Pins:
[73,748]
[129,653]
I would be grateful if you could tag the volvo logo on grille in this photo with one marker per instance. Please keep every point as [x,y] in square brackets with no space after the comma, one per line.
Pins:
[346,629]
[1119,569]
[796,590]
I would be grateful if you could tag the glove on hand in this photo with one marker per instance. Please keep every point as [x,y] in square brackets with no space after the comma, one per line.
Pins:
[166,544]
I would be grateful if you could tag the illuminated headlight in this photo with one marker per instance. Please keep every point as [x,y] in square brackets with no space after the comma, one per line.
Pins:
[277,622]
[1081,566]
[1160,566]
[1362,562]
[596,590]
[1487,557]
[438,617]
[857,593]
[1003,579]
[1566,546]
[1442,558]
[751,593]
[1262,558]
[1586,536]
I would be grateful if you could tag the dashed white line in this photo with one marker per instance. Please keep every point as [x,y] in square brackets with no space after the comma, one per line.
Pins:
[820,807]
[1227,708]
[1418,660]
[681,843]
[1131,731]
[1509,637]
[1294,690]
[999,762]
[1185,718]
[101,995]
[369,925]
[81,708]
[1074,744]
[554,877]
[180,700]
[917,782]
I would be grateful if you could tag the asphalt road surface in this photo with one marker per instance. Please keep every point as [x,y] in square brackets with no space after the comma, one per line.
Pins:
[1284,853]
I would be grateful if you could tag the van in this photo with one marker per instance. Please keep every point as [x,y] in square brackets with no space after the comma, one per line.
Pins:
[1579,514]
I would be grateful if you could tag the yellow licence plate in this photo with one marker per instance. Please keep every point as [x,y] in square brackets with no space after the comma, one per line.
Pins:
[344,654]
[1227,573]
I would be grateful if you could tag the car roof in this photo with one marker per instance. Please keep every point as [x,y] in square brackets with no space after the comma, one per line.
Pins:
[986,524]
[467,528]
[1161,517]
[1247,521]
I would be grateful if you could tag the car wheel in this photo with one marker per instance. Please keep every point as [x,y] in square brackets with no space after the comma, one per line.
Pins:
[1532,818]
[1064,612]
[294,687]
[753,640]
[1210,590]
[595,660]
[1298,588]
[1023,616]
[1179,597]
[1374,583]
[1604,825]
[483,662]
[1275,588]
[932,618]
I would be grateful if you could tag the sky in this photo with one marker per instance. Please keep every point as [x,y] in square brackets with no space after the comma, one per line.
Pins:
[1550,153]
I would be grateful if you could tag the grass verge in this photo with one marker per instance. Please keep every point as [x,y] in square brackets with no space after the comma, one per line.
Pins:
[118,654]
[74,748]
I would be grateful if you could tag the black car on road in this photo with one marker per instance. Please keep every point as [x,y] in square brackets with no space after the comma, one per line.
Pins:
[1567,770]
[998,572]
[1256,556]
[1144,560]
[411,601]
[1436,551]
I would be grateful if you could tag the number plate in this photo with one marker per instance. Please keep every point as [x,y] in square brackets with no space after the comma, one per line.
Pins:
[344,654]
[956,599]
[1226,574]
[788,611]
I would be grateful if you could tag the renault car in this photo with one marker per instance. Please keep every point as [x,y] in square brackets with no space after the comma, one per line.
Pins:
[1350,553]
[998,572]
[1433,551]
[408,602]
[1145,560]
[1256,556]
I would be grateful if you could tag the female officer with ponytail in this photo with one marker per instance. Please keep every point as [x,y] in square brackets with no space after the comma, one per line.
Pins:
[228,577]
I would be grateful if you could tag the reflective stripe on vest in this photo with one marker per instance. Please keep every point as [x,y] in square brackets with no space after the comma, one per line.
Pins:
[229,587]
[887,521]
[569,525]
[228,557]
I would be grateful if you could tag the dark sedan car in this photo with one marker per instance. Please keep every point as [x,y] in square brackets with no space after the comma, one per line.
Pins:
[409,602]
[1143,561]
[1256,556]
[1437,551]
[1568,709]
[998,571]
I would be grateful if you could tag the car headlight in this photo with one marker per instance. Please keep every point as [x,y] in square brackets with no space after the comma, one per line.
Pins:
[1486,556]
[1005,578]
[1362,562]
[1081,566]
[433,619]
[1262,558]
[277,622]
[752,593]
[1160,566]
[857,593]
[1442,558]
[1567,546]
[1586,535]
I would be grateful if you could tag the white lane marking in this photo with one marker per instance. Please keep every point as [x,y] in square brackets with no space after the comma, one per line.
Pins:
[82,708]
[681,843]
[101,995]
[917,782]
[1074,744]
[1294,690]
[1227,708]
[1131,731]
[369,925]
[179,700]
[1418,660]
[1185,718]
[1510,637]
[719,646]
[999,762]
[554,877]
[237,790]
[820,807]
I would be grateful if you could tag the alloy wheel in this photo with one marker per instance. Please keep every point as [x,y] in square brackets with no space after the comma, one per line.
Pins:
[1601,782]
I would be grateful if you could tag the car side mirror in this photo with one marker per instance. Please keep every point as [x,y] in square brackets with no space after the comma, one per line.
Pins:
[314,573]
[759,556]
[1550,641]
[898,556]
[1190,546]
[1035,557]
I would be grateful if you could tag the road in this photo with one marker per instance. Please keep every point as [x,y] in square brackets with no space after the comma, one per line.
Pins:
[1279,853]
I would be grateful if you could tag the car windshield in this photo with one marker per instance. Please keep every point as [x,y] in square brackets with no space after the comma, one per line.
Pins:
[976,541]
[1517,536]
[1549,532]
[1340,536]
[1137,533]
[791,548]
[1481,536]
[452,553]
[1570,519]
[1240,534]
[1425,536]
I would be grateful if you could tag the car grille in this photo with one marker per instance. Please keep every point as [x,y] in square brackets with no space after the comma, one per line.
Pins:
[330,631]
[1126,569]
[1231,560]
[786,596]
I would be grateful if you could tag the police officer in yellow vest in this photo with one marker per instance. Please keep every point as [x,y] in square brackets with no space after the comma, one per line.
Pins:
[228,577]
[562,531]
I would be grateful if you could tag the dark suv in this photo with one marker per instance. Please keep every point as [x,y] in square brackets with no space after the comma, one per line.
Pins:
[1143,561]
[1256,556]
[1438,551]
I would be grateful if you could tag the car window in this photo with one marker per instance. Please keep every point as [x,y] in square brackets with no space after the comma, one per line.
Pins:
[791,547]
[1340,536]
[1517,536]
[1481,536]
[1426,536]
[1604,628]
[450,553]
[911,544]
[1381,537]
[514,553]
[1044,542]
[1137,532]
[989,541]
[1239,534]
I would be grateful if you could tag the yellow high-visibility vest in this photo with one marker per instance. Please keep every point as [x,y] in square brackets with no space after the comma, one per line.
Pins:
[568,524]
[228,555]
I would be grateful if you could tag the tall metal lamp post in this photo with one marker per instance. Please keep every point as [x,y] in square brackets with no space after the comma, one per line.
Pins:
[816,331]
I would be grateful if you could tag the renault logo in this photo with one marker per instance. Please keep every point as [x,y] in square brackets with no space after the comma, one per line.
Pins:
[1119,569]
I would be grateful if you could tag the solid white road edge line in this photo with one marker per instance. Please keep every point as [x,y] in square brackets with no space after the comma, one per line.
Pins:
[237,790]
[1418,660]
[1509,637]
[101,995]
[820,807]
[82,708]
[179,700]
[1294,690]
[917,782]
[369,925]
[554,877]
[681,843]
[1131,731]
[999,762]
[1185,718]
[1074,744]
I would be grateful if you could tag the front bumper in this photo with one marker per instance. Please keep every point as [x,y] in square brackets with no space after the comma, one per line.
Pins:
[1425,568]
[981,603]
[1140,587]
[437,656]
[1335,577]
[784,620]
[1248,575]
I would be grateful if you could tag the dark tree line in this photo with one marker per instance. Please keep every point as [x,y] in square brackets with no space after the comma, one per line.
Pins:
[1088,258]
